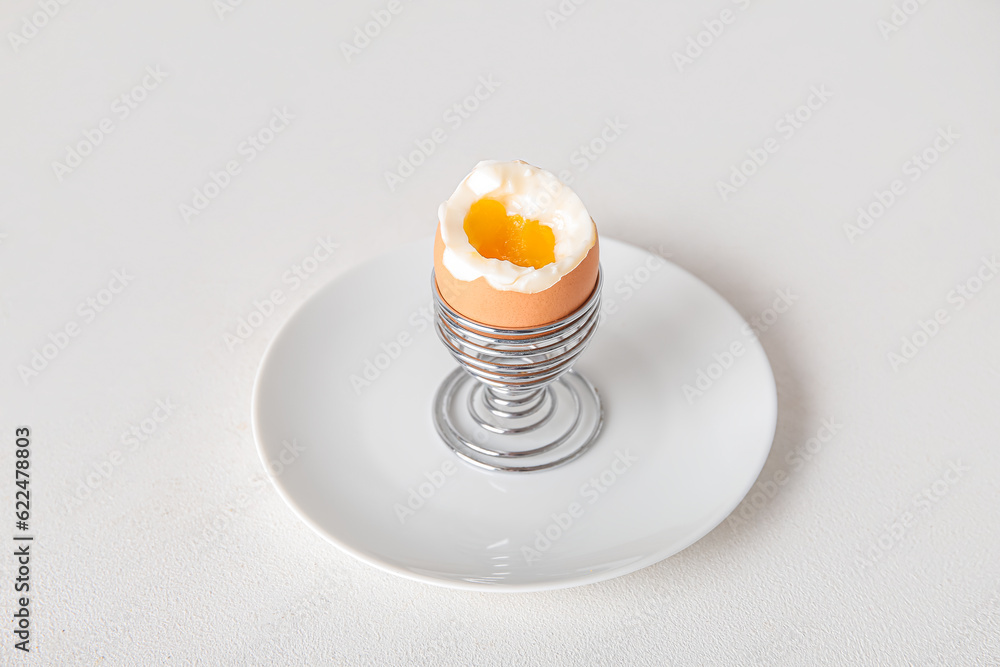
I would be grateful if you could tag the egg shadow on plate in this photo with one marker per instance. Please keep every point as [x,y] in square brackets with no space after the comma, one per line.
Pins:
[797,417]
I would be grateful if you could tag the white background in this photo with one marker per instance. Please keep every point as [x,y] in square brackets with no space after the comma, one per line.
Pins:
[180,551]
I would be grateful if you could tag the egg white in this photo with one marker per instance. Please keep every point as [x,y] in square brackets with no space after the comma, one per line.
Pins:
[532,193]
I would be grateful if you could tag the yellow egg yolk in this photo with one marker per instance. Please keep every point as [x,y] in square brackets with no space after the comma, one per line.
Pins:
[496,235]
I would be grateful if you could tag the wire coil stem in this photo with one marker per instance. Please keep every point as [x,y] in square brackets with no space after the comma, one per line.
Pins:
[525,390]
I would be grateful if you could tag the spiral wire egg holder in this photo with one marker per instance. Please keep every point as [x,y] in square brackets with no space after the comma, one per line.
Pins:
[514,403]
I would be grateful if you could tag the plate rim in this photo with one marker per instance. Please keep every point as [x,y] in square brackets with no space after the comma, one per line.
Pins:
[455,584]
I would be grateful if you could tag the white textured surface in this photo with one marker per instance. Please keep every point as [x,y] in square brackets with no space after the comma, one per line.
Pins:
[131,574]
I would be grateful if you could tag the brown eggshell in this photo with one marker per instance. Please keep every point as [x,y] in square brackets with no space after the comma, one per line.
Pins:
[515,310]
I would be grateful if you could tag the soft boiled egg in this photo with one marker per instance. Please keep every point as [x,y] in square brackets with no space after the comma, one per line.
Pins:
[515,247]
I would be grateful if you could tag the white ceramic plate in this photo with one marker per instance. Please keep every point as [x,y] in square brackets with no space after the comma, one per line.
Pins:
[358,459]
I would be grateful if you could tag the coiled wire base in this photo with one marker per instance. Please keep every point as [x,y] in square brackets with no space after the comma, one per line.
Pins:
[514,404]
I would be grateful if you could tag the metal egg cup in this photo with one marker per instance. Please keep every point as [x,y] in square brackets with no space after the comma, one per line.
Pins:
[514,403]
